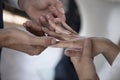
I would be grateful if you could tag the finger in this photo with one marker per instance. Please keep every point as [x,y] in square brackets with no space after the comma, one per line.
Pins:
[57,11]
[68,28]
[68,44]
[34,28]
[53,34]
[60,9]
[43,41]
[44,21]
[59,5]
[58,28]
[87,50]
[59,36]
[73,52]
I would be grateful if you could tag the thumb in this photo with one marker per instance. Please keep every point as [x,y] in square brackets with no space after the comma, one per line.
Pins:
[87,50]
[73,52]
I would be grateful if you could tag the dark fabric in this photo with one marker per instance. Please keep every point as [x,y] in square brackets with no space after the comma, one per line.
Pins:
[1,15]
[1,20]
[1,24]
[65,70]
[72,16]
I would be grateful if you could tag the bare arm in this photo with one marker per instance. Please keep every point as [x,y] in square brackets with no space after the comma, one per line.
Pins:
[83,61]
[100,45]
[16,39]
[3,37]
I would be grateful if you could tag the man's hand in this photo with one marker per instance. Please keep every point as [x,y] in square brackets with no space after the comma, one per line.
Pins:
[83,61]
[37,8]
[61,30]
[100,45]
[22,41]
[69,39]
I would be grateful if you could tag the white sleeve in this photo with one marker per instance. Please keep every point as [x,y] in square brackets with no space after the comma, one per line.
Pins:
[115,69]
[13,3]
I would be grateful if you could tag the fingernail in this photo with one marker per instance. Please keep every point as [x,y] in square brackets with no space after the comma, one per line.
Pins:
[62,10]
[44,29]
[52,8]
[50,22]
[48,16]
[24,24]
[67,51]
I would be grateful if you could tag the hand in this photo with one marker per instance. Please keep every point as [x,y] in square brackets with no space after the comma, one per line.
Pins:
[83,62]
[22,41]
[34,28]
[37,8]
[72,40]
[100,45]
[61,30]
[58,31]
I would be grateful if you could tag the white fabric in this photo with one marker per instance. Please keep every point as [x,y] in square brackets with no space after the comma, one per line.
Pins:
[114,73]
[17,65]
[111,72]
[100,18]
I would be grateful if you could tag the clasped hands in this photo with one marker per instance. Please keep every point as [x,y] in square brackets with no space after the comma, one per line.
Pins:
[47,25]
[81,50]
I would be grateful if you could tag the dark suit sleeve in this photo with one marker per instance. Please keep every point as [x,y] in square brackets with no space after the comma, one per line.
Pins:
[65,70]
[1,20]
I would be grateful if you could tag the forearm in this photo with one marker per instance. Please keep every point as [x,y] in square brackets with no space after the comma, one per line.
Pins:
[106,47]
[111,53]
[3,37]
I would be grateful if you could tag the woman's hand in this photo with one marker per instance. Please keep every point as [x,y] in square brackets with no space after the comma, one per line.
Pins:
[100,45]
[22,41]
[69,39]
[83,61]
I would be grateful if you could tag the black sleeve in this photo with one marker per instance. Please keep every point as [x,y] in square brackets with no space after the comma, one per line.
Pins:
[1,15]
[1,21]
[65,70]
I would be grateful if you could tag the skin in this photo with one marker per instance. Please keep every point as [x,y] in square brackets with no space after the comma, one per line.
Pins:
[72,40]
[81,50]
[25,42]
[37,9]
[83,61]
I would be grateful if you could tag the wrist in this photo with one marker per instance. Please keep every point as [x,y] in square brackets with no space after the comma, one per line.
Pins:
[4,37]
[111,51]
